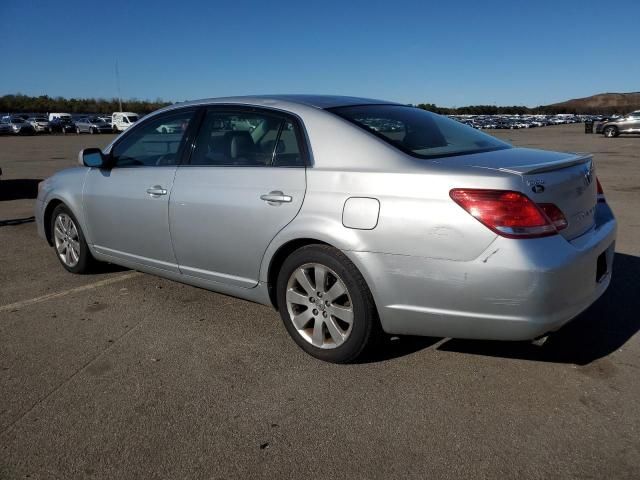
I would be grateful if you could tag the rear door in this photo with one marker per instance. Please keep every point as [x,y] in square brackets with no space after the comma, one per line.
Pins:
[244,182]
[635,122]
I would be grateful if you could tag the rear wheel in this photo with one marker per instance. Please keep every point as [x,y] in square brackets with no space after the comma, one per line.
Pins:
[69,242]
[78,130]
[326,305]
[610,132]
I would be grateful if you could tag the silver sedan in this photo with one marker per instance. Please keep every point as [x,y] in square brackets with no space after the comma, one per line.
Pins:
[353,217]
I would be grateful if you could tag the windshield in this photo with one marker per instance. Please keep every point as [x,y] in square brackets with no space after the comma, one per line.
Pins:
[17,120]
[418,132]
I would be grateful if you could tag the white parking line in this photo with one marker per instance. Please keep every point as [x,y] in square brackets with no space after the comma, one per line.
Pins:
[49,296]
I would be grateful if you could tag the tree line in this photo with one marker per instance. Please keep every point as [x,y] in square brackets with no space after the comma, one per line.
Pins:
[518,110]
[19,103]
[43,104]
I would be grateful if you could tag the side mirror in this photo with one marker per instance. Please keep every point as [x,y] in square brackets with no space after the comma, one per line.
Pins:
[92,157]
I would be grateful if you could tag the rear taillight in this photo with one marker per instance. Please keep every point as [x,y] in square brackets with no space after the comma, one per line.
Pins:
[510,214]
[601,198]
[554,214]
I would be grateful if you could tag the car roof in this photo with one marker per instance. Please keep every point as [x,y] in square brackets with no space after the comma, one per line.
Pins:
[316,101]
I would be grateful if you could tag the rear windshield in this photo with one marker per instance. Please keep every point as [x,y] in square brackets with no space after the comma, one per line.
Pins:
[418,132]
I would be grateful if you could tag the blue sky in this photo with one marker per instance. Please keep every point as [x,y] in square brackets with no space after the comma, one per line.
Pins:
[451,53]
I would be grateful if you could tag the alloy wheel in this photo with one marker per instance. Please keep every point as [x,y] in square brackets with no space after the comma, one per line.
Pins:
[319,306]
[67,240]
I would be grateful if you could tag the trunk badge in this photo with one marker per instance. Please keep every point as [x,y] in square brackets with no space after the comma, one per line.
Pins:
[537,189]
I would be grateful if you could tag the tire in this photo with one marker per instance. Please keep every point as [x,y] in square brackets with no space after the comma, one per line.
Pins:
[322,328]
[61,229]
[92,131]
[78,130]
[115,129]
[610,131]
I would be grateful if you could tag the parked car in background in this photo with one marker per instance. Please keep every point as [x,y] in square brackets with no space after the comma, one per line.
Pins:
[62,125]
[18,125]
[419,226]
[621,125]
[40,124]
[5,128]
[65,116]
[92,124]
[172,128]
[105,119]
[120,121]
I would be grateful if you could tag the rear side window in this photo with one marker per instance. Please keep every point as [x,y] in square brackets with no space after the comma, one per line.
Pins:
[287,152]
[250,139]
[418,132]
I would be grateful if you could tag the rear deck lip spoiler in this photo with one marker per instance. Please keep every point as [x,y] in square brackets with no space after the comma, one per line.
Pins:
[576,159]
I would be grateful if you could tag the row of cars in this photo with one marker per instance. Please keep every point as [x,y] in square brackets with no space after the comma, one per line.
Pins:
[610,127]
[66,123]
[521,121]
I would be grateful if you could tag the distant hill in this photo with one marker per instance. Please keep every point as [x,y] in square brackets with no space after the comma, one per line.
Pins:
[606,103]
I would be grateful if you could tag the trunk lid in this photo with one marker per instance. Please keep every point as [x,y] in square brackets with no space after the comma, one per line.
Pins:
[565,179]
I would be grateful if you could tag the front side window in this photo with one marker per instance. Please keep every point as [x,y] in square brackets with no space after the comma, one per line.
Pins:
[418,132]
[252,139]
[149,145]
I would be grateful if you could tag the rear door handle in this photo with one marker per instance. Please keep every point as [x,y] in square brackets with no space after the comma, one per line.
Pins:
[156,191]
[276,197]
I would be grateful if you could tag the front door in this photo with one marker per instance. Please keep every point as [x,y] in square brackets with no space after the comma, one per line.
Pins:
[126,207]
[244,182]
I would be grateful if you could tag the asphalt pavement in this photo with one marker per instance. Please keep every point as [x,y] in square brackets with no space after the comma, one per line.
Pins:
[120,375]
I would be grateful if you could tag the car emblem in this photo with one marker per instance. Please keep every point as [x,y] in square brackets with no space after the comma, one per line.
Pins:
[537,189]
[588,175]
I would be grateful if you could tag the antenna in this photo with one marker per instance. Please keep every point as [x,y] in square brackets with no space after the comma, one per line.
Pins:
[118,85]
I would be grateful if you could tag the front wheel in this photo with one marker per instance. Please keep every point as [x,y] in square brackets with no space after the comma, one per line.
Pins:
[69,242]
[610,132]
[326,305]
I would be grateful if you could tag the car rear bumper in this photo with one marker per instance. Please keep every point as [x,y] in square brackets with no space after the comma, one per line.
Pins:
[515,290]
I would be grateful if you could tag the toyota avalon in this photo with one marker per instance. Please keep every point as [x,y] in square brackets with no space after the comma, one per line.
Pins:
[352,217]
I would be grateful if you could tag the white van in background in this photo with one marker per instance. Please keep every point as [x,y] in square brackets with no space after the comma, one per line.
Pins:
[120,121]
[63,116]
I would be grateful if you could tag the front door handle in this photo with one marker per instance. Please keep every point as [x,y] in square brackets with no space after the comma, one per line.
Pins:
[156,191]
[276,197]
